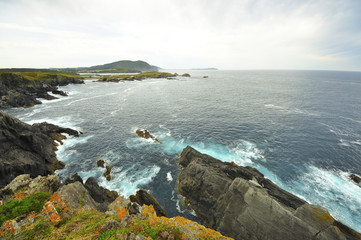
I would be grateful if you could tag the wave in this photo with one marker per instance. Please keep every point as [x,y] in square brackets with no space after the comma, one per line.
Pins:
[331,189]
[291,110]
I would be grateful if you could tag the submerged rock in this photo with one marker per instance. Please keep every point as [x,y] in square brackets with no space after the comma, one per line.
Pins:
[241,203]
[28,149]
[143,133]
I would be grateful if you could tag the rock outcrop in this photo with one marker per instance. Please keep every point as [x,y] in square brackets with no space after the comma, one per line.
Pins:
[28,149]
[144,133]
[18,91]
[241,203]
[356,179]
[142,197]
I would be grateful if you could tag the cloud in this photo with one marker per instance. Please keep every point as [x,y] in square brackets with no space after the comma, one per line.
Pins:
[181,34]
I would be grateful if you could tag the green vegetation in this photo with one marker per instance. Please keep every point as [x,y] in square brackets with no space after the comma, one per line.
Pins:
[46,75]
[142,227]
[16,208]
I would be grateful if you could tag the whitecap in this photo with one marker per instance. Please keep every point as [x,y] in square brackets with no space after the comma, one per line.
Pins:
[334,190]
[169,177]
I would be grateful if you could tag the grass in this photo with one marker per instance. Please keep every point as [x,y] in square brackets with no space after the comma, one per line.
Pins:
[15,208]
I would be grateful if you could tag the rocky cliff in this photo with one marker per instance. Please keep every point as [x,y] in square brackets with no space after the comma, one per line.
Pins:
[43,208]
[241,203]
[28,148]
[23,89]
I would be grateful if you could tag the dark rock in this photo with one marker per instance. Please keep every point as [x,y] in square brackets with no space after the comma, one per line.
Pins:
[186,75]
[59,92]
[27,149]
[242,204]
[356,179]
[100,163]
[99,194]
[107,173]
[17,91]
[73,179]
[143,197]
[205,76]
[143,133]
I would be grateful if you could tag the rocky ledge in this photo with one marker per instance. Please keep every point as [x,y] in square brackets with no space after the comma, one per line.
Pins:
[23,89]
[241,203]
[28,148]
[45,208]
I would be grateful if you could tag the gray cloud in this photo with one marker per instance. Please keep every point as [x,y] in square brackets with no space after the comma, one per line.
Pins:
[247,34]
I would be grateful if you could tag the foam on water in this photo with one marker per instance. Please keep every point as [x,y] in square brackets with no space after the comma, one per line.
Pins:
[241,152]
[169,177]
[127,181]
[291,110]
[64,154]
[333,190]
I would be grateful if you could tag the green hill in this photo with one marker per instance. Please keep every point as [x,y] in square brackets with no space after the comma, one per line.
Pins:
[127,65]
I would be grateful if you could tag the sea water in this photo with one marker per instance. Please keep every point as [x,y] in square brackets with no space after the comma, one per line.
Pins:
[301,129]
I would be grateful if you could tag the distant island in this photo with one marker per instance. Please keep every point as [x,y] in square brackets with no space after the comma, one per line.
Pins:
[123,66]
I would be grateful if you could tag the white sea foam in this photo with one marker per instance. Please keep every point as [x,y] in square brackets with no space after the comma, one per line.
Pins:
[63,153]
[291,110]
[169,177]
[127,181]
[334,190]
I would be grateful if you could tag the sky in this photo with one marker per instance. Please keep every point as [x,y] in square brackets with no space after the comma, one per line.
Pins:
[179,34]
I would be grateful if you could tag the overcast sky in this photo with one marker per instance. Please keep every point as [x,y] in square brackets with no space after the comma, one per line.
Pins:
[227,34]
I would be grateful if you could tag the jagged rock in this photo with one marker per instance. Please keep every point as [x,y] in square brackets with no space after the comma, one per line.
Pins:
[143,133]
[17,91]
[78,196]
[24,183]
[107,173]
[27,149]
[143,197]
[100,194]
[240,203]
[74,178]
[356,179]
[100,163]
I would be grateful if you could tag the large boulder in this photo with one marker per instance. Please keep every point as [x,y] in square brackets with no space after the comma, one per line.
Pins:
[28,149]
[99,193]
[241,203]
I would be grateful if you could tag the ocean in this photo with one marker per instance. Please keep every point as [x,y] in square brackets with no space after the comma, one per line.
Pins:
[301,129]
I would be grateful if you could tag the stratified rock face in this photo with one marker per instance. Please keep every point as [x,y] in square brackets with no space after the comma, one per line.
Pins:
[17,91]
[240,203]
[28,149]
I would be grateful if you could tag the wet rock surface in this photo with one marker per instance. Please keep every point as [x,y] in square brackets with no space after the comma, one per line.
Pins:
[242,204]
[28,149]
[143,133]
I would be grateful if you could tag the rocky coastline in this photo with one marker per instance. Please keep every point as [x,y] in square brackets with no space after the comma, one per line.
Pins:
[241,203]
[23,89]
[29,149]
[236,202]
